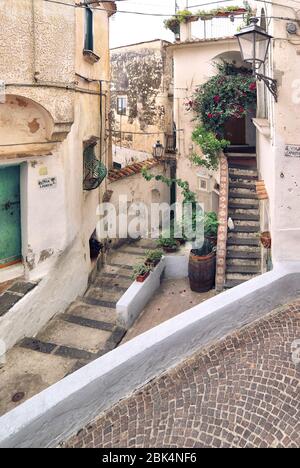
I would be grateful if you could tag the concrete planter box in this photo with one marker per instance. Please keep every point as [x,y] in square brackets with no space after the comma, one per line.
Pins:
[133,302]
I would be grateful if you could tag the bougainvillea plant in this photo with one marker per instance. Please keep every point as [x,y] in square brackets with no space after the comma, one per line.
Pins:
[229,94]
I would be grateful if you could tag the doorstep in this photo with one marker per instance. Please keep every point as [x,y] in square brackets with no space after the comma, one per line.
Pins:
[11,273]
[15,292]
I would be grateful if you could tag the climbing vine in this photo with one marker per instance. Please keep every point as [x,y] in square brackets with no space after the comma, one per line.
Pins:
[188,195]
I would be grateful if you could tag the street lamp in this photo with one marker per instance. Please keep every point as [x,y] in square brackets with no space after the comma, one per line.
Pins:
[254,44]
[158,150]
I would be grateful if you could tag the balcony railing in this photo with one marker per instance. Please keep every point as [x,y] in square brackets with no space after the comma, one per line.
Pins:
[215,28]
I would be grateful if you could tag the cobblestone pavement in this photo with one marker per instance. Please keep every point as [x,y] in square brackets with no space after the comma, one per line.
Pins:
[241,392]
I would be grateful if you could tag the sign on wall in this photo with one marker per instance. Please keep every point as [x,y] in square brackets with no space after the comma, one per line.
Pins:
[292,151]
[49,182]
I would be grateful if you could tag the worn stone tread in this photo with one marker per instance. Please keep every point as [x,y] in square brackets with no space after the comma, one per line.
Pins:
[85,322]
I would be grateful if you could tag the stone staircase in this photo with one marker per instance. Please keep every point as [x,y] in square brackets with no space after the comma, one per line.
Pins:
[86,331]
[243,245]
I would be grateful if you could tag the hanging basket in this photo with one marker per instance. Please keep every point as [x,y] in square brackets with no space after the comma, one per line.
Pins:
[95,174]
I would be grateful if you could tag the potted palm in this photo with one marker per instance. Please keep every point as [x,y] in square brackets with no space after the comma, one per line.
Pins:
[211,225]
[141,271]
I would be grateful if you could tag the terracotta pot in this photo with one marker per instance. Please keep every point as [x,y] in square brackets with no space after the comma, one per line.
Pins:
[266,240]
[142,278]
[202,272]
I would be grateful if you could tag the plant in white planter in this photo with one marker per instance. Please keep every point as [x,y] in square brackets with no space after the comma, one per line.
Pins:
[141,271]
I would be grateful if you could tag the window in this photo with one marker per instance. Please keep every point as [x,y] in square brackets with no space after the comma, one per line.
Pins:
[89,30]
[203,183]
[122,105]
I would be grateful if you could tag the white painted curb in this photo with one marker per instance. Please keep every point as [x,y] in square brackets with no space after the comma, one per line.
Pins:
[133,302]
[61,410]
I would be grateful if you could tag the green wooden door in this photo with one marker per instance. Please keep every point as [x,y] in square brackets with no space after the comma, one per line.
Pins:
[10,220]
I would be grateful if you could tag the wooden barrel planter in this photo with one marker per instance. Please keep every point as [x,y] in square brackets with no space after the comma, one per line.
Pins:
[202,272]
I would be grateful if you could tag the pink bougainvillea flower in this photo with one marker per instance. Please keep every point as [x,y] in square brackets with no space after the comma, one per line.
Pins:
[217,99]
[210,116]
[252,86]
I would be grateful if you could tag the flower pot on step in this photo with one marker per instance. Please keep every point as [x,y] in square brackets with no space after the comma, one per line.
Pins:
[142,278]
[266,240]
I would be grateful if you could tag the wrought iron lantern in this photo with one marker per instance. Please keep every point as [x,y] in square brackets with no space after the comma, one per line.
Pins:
[254,44]
[158,150]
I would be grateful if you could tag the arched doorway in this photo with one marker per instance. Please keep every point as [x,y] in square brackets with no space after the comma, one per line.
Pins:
[239,131]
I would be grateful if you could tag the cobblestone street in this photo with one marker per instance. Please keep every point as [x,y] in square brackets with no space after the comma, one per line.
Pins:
[242,392]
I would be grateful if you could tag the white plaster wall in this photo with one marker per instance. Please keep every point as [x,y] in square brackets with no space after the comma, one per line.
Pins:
[280,172]
[67,279]
[56,222]
[126,156]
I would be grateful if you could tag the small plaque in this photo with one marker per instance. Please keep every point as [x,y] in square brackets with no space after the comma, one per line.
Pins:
[292,151]
[49,182]
[2,92]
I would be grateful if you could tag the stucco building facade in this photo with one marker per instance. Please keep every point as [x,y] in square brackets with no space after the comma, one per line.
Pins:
[141,100]
[278,129]
[53,111]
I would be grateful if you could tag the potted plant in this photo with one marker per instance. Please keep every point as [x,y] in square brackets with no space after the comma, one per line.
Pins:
[202,267]
[141,272]
[169,244]
[265,239]
[153,257]
[211,225]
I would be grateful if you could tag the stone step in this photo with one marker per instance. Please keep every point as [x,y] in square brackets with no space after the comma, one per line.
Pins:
[249,167]
[243,206]
[237,174]
[239,241]
[243,173]
[239,223]
[236,216]
[97,303]
[247,269]
[146,244]
[117,270]
[102,314]
[243,261]
[242,195]
[104,294]
[243,254]
[240,277]
[137,252]
[243,248]
[241,185]
[246,229]
[124,260]
[249,212]
[229,284]
[113,282]
[74,336]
